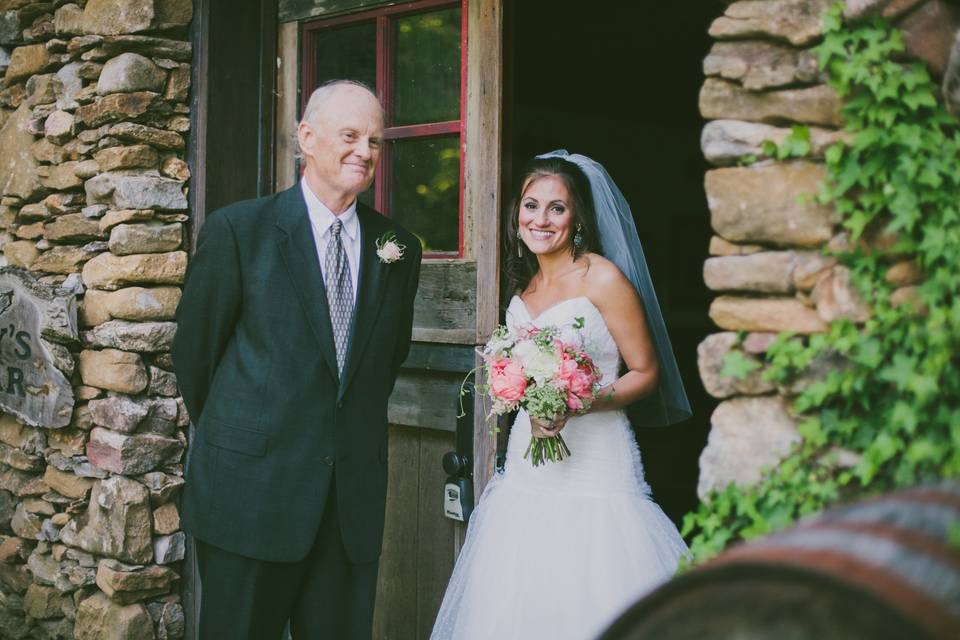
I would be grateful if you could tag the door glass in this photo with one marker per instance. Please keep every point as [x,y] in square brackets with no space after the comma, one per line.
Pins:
[347,53]
[425,190]
[427,68]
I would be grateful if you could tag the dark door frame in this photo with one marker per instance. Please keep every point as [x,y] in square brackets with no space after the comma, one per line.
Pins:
[230,151]
[233,110]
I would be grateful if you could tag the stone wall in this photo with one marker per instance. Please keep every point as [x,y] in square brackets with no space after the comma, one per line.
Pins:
[768,265]
[93,126]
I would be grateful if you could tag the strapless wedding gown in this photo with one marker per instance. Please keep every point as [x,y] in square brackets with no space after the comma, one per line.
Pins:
[557,552]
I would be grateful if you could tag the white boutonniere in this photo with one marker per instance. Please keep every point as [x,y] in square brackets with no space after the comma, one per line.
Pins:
[388,249]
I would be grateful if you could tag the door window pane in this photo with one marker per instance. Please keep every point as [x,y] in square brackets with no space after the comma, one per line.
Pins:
[425,190]
[347,53]
[427,68]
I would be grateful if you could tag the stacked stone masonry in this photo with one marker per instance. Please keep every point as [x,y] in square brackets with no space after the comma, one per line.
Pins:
[94,120]
[769,265]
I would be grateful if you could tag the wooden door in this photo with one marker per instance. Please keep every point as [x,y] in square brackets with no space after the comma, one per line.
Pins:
[420,544]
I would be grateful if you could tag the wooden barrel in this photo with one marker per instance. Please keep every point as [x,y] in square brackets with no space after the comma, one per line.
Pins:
[877,569]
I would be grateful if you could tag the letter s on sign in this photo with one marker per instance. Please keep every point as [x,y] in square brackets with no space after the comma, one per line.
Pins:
[23,342]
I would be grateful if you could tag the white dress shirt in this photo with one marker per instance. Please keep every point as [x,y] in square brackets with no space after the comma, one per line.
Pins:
[320,220]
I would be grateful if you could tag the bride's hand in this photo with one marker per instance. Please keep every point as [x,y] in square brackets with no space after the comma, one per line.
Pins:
[541,429]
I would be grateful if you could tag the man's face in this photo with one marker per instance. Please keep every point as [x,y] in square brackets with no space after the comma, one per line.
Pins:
[342,144]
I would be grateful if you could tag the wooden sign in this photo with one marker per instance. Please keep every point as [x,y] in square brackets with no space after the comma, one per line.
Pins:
[31,387]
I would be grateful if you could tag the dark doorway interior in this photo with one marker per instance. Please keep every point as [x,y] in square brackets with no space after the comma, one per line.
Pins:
[233,102]
[618,82]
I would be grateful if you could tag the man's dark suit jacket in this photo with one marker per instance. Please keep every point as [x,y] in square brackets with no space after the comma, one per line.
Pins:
[256,365]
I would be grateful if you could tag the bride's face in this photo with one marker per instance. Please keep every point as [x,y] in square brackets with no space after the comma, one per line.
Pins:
[546,216]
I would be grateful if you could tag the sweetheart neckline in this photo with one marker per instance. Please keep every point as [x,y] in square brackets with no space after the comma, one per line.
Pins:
[534,319]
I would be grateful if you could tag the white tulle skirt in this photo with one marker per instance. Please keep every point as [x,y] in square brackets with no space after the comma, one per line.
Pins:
[559,551]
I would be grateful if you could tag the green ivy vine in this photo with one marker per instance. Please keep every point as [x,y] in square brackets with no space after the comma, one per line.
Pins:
[886,413]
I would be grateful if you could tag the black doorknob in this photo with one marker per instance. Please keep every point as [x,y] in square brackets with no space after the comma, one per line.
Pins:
[456,464]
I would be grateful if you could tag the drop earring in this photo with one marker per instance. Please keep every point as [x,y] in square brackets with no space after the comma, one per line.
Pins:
[578,237]
[519,245]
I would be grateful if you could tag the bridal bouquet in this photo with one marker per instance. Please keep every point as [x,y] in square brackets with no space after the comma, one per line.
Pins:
[545,371]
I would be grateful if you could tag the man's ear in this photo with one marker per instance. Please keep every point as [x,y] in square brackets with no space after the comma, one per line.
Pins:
[306,138]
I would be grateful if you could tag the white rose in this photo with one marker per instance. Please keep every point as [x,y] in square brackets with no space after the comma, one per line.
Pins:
[390,252]
[539,365]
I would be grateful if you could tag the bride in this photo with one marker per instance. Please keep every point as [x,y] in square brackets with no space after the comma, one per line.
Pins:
[559,551]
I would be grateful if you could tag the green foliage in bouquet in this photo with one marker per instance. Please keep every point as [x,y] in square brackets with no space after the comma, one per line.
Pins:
[546,401]
[889,416]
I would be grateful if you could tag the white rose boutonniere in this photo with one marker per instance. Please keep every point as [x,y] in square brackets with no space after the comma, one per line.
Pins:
[388,249]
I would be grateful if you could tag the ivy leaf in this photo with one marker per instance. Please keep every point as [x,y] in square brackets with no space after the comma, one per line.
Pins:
[923,387]
[953,534]
[812,432]
[900,371]
[795,145]
[904,416]
[917,99]
[856,223]
[737,366]
[868,352]
[832,22]
[924,450]
[780,517]
[885,447]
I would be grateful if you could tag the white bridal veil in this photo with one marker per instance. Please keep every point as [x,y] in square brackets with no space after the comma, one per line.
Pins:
[621,245]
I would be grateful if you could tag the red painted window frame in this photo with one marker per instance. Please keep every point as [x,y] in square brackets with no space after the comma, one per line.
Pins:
[383,17]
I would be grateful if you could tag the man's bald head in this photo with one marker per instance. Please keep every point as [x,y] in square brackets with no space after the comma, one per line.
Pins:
[329,91]
[340,138]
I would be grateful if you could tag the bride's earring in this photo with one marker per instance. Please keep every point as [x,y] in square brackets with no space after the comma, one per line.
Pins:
[578,237]
[519,245]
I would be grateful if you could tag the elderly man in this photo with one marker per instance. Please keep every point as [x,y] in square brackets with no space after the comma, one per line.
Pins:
[295,318]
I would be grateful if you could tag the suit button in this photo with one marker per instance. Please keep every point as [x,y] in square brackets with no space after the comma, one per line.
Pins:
[327,460]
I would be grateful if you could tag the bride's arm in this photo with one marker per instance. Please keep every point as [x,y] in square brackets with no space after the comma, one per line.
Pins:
[622,310]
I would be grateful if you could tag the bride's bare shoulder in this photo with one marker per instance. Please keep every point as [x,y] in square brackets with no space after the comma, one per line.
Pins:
[604,280]
[602,272]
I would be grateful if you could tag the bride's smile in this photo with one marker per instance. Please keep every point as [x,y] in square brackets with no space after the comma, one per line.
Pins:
[546,216]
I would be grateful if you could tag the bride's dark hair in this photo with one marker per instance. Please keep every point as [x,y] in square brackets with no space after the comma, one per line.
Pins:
[519,269]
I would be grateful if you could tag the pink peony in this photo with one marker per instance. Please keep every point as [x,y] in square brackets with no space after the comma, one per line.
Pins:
[576,378]
[566,372]
[574,403]
[507,381]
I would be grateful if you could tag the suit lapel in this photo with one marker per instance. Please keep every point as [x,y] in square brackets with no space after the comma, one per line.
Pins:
[369,295]
[299,252]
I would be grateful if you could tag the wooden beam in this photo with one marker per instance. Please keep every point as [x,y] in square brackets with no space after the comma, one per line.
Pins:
[440,357]
[197,150]
[268,106]
[196,159]
[447,336]
[446,302]
[288,38]
[425,400]
[481,196]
